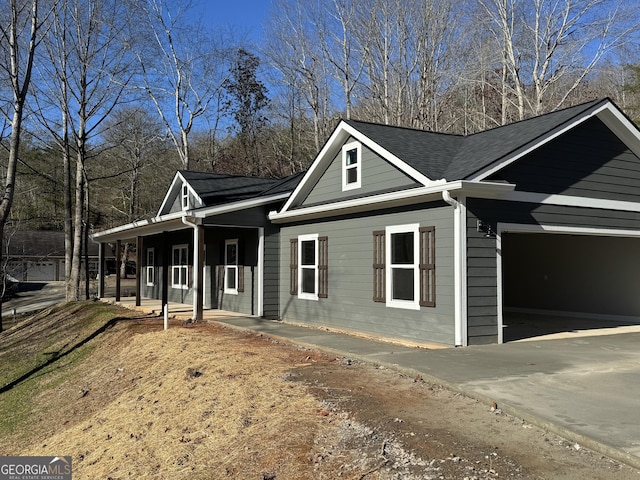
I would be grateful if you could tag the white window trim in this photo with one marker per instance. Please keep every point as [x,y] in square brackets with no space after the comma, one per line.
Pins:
[184,269]
[227,267]
[304,295]
[406,304]
[184,196]
[357,146]
[150,270]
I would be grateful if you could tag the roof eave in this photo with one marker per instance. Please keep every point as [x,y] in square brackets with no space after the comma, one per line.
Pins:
[173,221]
[459,188]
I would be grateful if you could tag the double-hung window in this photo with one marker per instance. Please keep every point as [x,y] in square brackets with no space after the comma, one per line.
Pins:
[351,166]
[402,273]
[151,269]
[231,266]
[404,266]
[180,267]
[309,267]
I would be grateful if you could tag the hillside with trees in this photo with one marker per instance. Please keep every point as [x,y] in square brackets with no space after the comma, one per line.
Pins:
[103,100]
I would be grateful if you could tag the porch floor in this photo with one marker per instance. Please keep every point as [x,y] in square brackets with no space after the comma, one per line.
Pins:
[180,311]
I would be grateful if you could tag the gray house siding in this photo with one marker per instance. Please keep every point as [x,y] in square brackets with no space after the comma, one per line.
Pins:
[350,304]
[588,161]
[482,304]
[378,175]
[271,273]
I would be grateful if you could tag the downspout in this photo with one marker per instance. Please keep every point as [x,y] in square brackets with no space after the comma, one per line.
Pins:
[197,301]
[459,266]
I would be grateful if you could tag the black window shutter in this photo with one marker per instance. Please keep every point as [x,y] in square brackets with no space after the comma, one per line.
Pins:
[378,266]
[293,267]
[323,267]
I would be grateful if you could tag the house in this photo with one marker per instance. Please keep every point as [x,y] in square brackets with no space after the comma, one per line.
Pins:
[416,235]
[38,256]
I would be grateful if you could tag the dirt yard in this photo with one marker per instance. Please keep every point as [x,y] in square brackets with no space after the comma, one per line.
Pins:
[206,402]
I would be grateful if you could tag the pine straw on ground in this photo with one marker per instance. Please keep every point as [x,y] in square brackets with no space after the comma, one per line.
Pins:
[191,403]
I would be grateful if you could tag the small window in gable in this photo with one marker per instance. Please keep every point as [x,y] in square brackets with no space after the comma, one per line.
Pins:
[185,197]
[351,166]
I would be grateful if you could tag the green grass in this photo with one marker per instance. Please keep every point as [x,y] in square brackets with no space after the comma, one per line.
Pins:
[42,353]
[49,335]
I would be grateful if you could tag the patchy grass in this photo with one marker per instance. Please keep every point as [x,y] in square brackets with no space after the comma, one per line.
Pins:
[42,352]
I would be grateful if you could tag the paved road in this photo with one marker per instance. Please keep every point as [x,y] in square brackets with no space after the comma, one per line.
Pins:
[33,296]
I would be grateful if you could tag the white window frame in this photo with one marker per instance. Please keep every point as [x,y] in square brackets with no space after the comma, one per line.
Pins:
[227,267]
[307,295]
[151,267]
[184,196]
[389,232]
[346,148]
[182,268]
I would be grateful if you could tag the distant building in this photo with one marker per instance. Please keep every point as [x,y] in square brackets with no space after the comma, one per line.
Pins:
[38,256]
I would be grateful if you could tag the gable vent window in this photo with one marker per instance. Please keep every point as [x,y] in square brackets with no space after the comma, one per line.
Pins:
[185,197]
[351,166]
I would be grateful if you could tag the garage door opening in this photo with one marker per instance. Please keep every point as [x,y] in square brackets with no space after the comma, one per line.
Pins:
[560,282]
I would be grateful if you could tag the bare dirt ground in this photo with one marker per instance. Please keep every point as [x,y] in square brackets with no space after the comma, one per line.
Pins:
[206,402]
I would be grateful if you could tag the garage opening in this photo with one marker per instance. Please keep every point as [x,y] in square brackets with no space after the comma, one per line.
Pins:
[553,283]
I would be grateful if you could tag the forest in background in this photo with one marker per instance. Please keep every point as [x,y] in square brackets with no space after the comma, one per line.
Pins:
[119,94]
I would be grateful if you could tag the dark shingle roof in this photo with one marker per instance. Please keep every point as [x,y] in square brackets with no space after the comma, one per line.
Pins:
[456,157]
[482,149]
[215,189]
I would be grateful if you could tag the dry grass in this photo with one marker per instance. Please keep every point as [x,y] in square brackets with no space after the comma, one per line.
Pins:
[186,403]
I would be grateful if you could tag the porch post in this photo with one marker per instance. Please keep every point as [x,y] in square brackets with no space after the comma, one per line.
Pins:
[198,264]
[101,250]
[260,271]
[118,262]
[138,268]
[165,270]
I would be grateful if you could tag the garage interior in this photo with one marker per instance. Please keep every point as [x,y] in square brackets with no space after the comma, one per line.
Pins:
[555,283]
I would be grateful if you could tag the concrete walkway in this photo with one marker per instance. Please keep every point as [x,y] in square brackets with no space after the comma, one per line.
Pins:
[585,388]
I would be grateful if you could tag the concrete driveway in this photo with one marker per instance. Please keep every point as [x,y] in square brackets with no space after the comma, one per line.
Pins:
[585,387]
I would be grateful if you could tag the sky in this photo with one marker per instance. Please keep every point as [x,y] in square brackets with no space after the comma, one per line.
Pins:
[245,15]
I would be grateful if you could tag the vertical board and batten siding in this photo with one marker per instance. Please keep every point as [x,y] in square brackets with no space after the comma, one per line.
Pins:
[482,303]
[350,304]
[587,161]
[378,175]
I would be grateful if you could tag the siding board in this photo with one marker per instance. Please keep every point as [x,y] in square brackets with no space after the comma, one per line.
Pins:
[350,304]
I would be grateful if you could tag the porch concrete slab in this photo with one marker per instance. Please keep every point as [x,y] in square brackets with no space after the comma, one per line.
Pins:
[585,388]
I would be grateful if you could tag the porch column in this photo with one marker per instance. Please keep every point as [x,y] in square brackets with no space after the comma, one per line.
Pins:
[101,250]
[198,265]
[118,262]
[138,268]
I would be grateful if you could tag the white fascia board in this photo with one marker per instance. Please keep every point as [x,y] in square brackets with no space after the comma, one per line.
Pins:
[607,113]
[176,185]
[394,199]
[173,221]
[338,136]
[176,177]
[333,145]
[155,225]
[234,207]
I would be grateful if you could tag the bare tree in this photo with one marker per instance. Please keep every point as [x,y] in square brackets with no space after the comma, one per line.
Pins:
[19,38]
[89,70]
[550,48]
[183,69]
[295,52]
